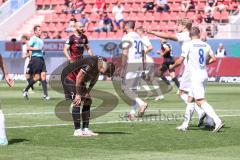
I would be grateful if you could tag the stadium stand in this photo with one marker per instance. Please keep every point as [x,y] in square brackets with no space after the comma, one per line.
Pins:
[56,20]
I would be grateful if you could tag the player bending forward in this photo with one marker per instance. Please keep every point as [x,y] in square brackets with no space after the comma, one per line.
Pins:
[75,88]
[198,55]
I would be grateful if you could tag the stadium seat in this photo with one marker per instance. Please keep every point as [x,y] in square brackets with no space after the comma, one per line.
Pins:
[52,27]
[62,17]
[48,18]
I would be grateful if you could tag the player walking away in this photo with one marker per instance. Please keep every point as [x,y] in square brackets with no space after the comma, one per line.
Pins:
[198,55]
[182,36]
[26,55]
[148,65]
[166,53]
[75,88]
[76,44]
[3,137]
[132,67]
[37,66]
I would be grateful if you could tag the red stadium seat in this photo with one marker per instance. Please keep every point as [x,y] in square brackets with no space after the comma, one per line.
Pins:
[39,2]
[165,16]
[51,27]
[62,17]
[48,17]
[102,35]
[60,27]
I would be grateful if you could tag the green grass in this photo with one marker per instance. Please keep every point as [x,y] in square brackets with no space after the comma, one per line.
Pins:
[118,139]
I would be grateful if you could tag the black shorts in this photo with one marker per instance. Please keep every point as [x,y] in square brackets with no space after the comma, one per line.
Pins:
[165,66]
[69,88]
[36,65]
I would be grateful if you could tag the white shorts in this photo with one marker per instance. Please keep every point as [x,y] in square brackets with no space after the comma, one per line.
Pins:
[197,90]
[133,75]
[185,83]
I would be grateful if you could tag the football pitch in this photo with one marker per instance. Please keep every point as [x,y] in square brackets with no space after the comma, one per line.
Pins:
[36,133]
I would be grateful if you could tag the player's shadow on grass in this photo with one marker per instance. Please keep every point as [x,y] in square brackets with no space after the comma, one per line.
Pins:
[113,133]
[14,141]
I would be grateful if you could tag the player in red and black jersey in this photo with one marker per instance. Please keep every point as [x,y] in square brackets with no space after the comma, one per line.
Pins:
[77,43]
[75,87]
[166,53]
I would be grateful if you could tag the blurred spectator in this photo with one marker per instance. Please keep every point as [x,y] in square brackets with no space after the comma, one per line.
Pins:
[79,6]
[148,6]
[162,6]
[100,6]
[84,20]
[211,29]
[118,14]
[68,6]
[210,6]
[222,5]
[46,35]
[198,18]
[58,36]
[221,52]
[105,23]
[187,5]
[71,23]
[208,18]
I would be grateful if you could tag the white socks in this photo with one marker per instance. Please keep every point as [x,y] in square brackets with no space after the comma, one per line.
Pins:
[199,111]
[184,97]
[210,112]
[134,108]
[2,126]
[139,101]
[188,113]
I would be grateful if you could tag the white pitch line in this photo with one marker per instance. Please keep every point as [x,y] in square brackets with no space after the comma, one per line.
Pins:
[118,111]
[109,122]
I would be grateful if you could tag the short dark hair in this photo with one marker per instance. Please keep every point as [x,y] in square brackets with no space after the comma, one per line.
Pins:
[130,24]
[195,31]
[36,27]
[110,69]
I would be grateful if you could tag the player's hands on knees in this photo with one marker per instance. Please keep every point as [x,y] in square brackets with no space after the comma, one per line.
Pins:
[9,81]
[77,100]
[71,61]
[170,66]
[87,95]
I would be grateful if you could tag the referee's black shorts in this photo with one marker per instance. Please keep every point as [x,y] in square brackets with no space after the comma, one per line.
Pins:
[36,65]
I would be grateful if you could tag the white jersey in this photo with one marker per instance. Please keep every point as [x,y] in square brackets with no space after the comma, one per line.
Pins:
[184,37]
[134,42]
[146,42]
[196,52]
